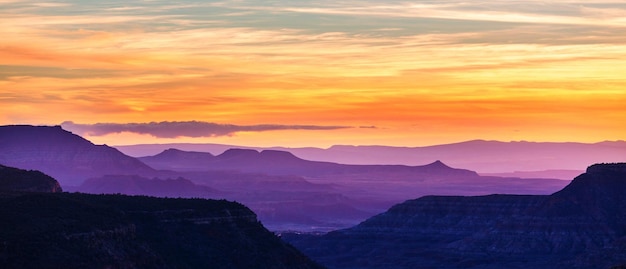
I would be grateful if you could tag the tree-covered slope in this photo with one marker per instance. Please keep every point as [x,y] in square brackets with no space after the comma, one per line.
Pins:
[64,230]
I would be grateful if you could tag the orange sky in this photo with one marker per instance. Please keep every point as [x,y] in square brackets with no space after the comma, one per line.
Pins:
[427,73]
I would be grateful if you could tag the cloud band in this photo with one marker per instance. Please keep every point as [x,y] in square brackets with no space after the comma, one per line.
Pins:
[173,129]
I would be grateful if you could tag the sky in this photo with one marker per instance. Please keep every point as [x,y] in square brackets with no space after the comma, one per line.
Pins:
[316,73]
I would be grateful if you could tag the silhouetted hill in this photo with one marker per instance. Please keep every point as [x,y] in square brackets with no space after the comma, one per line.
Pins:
[65,156]
[581,226]
[14,179]
[113,231]
[137,185]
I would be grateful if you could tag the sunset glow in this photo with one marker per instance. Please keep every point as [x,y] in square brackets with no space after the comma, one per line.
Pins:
[391,72]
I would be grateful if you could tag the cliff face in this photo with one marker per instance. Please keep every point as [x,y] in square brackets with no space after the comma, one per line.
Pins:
[581,226]
[449,215]
[13,179]
[113,231]
[65,156]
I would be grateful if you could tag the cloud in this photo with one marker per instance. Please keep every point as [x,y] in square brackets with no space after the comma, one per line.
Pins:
[174,129]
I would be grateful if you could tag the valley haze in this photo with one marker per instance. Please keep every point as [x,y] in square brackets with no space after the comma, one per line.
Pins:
[287,192]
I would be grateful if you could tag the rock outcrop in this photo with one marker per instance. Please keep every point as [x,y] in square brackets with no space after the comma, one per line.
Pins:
[581,226]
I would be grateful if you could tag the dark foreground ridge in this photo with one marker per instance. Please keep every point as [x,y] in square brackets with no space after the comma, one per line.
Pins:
[581,226]
[43,229]
[14,179]
[66,230]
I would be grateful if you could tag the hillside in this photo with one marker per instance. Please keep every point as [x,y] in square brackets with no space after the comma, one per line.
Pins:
[18,180]
[581,226]
[67,157]
[114,231]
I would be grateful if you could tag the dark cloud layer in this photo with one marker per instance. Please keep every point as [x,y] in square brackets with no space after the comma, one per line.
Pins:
[173,129]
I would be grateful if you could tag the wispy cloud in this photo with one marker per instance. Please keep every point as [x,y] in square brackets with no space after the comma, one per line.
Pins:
[338,63]
[173,129]
[530,12]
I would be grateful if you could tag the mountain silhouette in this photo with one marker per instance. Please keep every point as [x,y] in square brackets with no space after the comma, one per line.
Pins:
[581,226]
[478,155]
[274,162]
[74,230]
[67,157]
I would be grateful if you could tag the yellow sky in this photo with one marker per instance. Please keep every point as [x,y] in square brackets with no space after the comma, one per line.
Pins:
[421,74]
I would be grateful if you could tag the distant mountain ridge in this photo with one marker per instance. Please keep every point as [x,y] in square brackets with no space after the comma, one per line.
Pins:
[367,188]
[477,155]
[184,160]
[67,157]
[274,162]
[581,226]
[137,185]
[288,192]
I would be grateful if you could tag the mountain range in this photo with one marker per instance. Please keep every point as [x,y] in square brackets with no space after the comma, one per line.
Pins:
[362,188]
[581,226]
[273,162]
[44,228]
[477,155]
[287,192]
[461,219]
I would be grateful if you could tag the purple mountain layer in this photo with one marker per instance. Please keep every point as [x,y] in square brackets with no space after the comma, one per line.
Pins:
[68,158]
[280,186]
[397,181]
[137,185]
[478,155]
[288,192]
[275,162]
